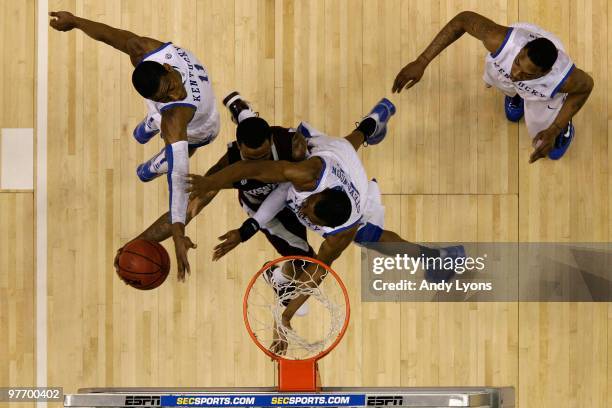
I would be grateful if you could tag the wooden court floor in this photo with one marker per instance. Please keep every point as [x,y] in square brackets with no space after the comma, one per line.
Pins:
[451,169]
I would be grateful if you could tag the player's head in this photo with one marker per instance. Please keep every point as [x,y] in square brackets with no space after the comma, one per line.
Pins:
[157,82]
[329,208]
[254,139]
[534,60]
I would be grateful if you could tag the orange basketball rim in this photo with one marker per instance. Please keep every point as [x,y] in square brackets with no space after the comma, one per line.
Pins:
[297,374]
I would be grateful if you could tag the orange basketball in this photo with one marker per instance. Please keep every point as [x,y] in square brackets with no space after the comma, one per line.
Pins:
[143,264]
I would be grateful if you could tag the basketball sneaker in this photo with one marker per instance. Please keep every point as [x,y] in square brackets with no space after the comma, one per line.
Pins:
[144,131]
[283,287]
[153,168]
[374,126]
[437,273]
[238,107]
[514,107]
[562,142]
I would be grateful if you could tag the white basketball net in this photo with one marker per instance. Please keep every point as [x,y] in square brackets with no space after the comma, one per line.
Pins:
[326,307]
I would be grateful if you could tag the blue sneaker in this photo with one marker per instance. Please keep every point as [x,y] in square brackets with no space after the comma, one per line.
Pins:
[514,107]
[381,113]
[143,132]
[562,143]
[144,170]
[144,174]
[437,275]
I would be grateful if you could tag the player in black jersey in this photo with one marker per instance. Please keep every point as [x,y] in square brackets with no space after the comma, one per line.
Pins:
[256,140]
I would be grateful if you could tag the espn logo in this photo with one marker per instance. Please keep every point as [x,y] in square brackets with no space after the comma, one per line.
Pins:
[384,400]
[142,400]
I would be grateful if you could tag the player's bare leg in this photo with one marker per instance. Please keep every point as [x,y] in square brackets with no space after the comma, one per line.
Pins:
[283,279]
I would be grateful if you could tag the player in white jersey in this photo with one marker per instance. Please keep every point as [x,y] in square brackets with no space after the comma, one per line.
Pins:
[327,189]
[530,66]
[329,192]
[181,105]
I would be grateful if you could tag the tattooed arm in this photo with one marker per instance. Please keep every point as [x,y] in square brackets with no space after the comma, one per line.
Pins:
[160,230]
[490,33]
[578,87]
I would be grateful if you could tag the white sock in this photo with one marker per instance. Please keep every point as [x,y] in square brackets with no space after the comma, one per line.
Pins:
[246,113]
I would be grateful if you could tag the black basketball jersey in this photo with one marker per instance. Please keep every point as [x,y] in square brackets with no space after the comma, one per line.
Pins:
[253,192]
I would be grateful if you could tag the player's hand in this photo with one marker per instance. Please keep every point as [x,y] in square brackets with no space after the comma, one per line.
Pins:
[182,244]
[62,20]
[194,207]
[543,143]
[231,240]
[198,186]
[409,75]
[279,340]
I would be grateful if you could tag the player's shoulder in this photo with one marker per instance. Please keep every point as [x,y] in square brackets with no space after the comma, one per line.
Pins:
[281,134]
[576,81]
[281,131]
[492,34]
[140,47]
[304,175]
[282,138]
[314,167]
[233,152]
[177,114]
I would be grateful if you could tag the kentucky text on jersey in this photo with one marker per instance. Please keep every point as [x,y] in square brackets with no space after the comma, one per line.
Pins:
[195,89]
[520,85]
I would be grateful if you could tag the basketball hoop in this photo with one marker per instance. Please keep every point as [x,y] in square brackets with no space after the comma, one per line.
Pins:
[307,339]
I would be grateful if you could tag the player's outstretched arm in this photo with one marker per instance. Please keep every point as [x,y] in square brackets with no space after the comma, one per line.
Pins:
[303,175]
[490,33]
[334,245]
[174,132]
[161,229]
[578,87]
[271,206]
[123,40]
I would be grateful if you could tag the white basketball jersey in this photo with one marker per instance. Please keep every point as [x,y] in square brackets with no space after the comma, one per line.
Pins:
[204,126]
[542,97]
[342,169]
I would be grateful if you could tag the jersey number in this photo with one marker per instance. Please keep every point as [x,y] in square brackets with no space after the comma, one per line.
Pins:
[204,76]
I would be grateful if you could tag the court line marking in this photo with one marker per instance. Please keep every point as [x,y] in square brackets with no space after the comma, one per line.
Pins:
[17,158]
[42,42]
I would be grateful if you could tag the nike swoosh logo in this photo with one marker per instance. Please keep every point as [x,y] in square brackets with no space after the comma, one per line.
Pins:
[552,108]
